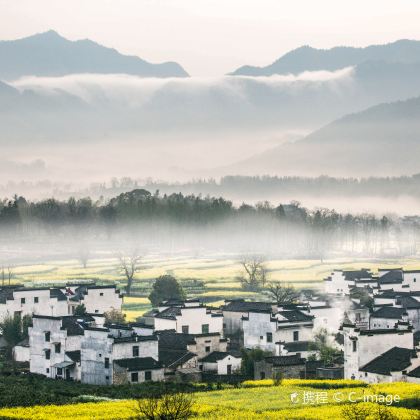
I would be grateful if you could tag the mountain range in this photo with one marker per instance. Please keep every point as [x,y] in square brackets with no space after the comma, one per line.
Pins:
[362,110]
[307,58]
[49,54]
[381,140]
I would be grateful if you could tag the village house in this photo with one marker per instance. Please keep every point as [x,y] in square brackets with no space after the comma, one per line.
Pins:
[187,317]
[287,367]
[221,363]
[340,282]
[395,365]
[387,317]
[263,329]
[180,353]
[408,301]
[234,310]
[19,300]
[50,341]
[363,346]
[396,279]
[118,355]
[96,299]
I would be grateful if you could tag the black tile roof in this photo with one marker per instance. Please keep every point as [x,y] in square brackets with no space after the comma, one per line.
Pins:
[169,313]
[58,294]
[295,316]
[392,277]
[394,360]
[174,358]
[416,338]
[73,355]
[138,363]
[352,275]
[75,325]
[285,360]
[134,339]
[297,346]
[214,356]
[173,340]
[385,331]
[415,373]
[408,302]
[241,305]
[389,312]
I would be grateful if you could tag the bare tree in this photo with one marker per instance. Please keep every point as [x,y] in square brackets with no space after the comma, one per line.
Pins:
[6,276]
[129,265]
[166,407]
[254,275]
[84,255]
[282,294]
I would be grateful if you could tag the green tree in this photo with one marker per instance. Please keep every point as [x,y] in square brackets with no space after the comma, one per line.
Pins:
[114,316]
[164,288]
[14,329]
[326,352]
[249,357]
[80,310]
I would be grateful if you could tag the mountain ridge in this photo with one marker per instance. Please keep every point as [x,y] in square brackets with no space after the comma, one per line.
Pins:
[50,54]
[307,58]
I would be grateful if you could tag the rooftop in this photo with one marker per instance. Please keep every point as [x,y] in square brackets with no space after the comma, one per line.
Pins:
[215,356]
[241,305]
[138,363]
[389,312]
[396,359]
[285,360]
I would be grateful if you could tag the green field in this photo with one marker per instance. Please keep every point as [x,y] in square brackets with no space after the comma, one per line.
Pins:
[218,273]
[292,399]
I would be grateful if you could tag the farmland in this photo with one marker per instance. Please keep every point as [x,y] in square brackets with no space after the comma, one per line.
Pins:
[256,399]
[212,278]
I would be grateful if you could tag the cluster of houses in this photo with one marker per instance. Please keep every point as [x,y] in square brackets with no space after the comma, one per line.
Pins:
[188,341]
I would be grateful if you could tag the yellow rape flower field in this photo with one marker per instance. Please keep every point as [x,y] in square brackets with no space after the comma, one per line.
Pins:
[292,399]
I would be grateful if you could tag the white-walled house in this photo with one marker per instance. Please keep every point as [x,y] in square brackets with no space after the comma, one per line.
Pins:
[409,301]
[263,329]
[96,299]
[386,317]
[396,279]
[18,300]
[104,355]
[341,281]
[362,346]
[188,318]
[395,365]
[221,363]
[50,339]
[233,311]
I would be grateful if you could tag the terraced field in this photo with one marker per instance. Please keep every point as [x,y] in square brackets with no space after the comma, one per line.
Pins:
[213,278]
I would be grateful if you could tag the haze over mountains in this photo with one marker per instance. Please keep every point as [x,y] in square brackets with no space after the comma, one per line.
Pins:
[307,58]
[49,54]
[62,102]
[382,140]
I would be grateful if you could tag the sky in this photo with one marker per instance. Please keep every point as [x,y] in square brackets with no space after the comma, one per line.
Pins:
[214,37]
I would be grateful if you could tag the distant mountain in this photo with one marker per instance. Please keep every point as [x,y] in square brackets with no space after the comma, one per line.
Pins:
[49,54]
[382,140]
[307,58]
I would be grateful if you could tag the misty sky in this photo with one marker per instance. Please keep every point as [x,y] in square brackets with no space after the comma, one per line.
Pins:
[213,37]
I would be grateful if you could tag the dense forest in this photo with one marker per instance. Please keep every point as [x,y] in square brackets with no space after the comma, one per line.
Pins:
[193,220]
